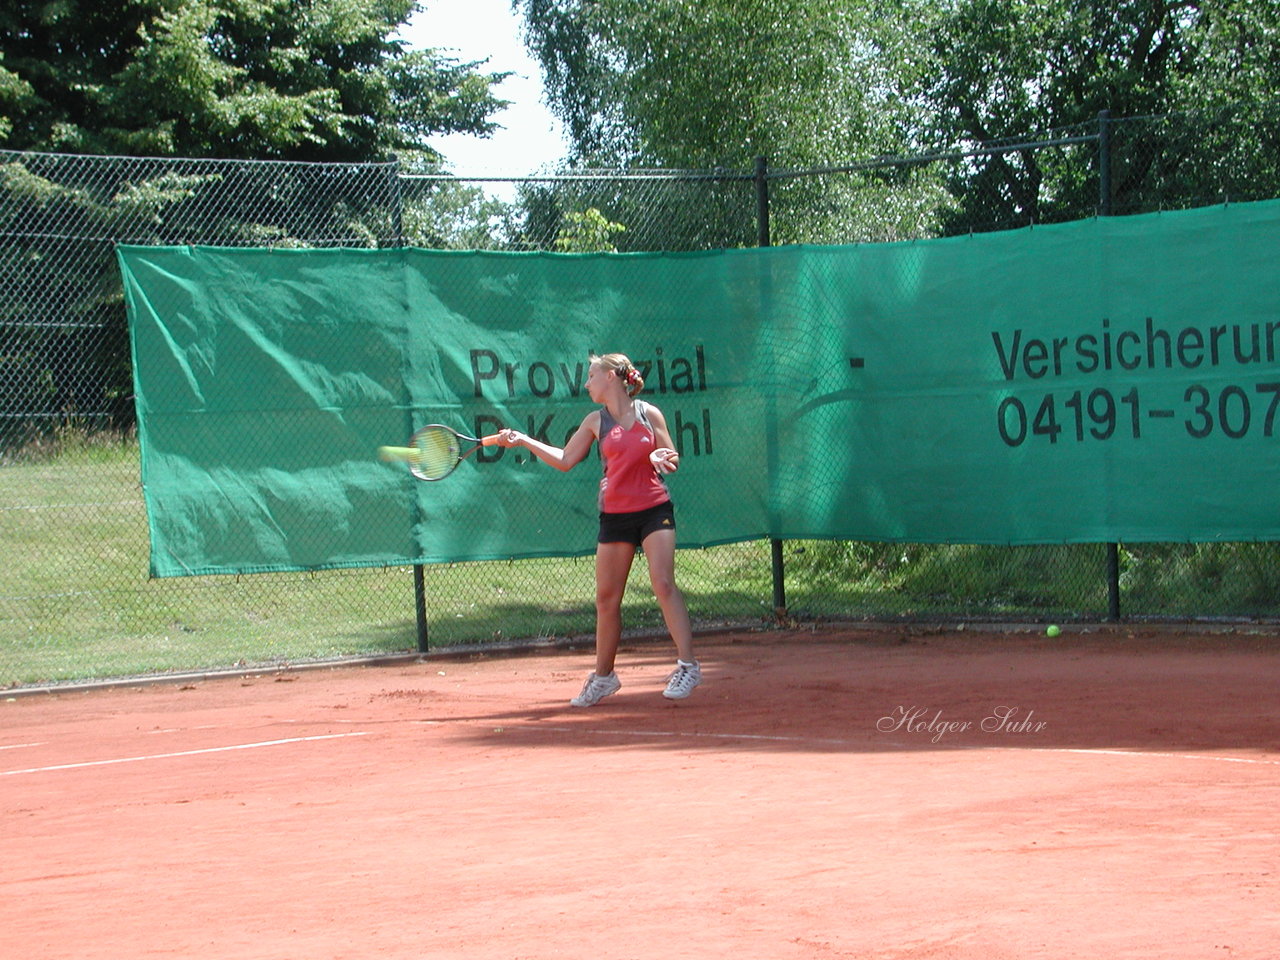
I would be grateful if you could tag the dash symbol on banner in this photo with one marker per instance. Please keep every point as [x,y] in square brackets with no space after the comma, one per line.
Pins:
[857,363]
[1160,413]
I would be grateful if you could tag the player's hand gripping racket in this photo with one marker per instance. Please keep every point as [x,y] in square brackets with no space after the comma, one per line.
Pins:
[435,451]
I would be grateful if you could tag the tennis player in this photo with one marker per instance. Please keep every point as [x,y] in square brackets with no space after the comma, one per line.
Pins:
[635,511]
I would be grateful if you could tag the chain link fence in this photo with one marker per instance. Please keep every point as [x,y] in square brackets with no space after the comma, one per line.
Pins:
[75,599]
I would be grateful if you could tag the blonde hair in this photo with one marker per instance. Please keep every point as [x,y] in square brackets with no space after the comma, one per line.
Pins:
[621,364]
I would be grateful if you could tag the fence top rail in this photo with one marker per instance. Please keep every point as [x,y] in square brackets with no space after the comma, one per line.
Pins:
[985,150]
[588,175]
[719,174]
[227,161]
[924,158]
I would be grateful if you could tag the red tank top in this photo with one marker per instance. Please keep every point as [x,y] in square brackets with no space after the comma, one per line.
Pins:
[630,482]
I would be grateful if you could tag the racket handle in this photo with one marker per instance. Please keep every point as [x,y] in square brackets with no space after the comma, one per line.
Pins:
[403,454]
[489,441]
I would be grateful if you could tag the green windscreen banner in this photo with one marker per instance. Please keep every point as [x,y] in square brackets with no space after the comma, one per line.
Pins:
[1115,379]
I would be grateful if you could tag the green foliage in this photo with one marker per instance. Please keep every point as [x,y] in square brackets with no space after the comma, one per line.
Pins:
[15,95]
[833,83]
[587,231]
[714,84]
[1199,579]
[285,79]
[992,70]
[661,211]
[969,579]
[444,214]
[698,84]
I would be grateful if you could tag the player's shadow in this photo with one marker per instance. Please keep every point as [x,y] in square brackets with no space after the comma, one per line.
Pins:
[913,693]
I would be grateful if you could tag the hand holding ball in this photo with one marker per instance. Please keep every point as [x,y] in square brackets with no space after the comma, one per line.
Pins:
[664,460]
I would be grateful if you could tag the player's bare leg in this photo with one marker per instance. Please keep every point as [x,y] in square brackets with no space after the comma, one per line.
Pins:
[660,552]
[613,566]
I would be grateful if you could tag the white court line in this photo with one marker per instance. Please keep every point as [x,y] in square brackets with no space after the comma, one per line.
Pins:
[896,744]
[182,753]
[15,746]
[1170,756]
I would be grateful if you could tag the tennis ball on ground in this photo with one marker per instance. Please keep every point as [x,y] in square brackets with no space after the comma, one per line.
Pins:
[1052,630]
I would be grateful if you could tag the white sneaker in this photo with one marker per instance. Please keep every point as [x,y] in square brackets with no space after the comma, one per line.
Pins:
[681,683]
[596,689]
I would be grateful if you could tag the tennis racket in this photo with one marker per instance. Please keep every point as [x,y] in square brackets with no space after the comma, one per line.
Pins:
[435,451]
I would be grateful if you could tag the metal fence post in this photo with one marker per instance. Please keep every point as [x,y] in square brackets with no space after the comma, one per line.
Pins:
[420,604]
[397,202]
[762,239]
[419,571]
[1104,163]
[1104,210]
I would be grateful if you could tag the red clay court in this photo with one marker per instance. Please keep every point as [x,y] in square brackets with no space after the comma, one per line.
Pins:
[884,793]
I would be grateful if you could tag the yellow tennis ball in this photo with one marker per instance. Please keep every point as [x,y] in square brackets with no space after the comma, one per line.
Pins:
[1052,630]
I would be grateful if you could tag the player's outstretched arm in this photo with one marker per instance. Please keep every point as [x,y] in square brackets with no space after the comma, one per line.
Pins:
[562,458]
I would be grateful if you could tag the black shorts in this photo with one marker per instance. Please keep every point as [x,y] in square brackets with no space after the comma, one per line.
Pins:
[632,528]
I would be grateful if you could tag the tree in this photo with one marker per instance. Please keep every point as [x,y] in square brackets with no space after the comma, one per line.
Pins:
[305,80]
[992,70]
[14,93]
[277,79]
[710,83]
[447,214]
[815,83]
[588,231]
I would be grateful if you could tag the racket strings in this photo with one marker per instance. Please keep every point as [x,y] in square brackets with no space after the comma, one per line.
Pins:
[437,453]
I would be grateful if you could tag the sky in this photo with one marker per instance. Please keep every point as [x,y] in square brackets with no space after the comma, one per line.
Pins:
[530,138]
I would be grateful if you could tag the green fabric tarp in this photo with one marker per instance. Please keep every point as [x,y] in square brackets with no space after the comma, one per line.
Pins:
[1107,380]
